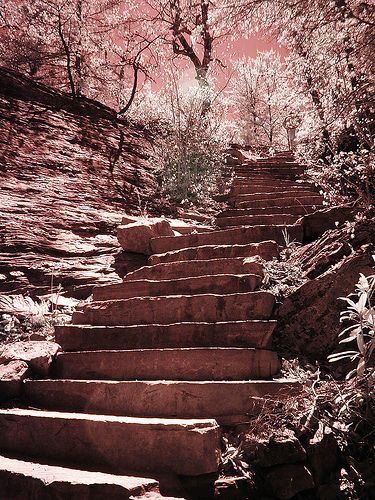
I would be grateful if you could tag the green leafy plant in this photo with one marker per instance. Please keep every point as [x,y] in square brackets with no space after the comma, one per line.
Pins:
[360,312]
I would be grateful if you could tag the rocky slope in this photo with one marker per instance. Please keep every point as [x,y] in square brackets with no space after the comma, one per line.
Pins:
[309,316]
[69,171]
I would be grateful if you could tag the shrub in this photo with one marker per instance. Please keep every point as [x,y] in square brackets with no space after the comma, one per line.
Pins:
[190,140]
[349,177]
[361,313]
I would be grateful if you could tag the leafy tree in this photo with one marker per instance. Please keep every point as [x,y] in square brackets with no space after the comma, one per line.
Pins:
[264,100]
[84,46]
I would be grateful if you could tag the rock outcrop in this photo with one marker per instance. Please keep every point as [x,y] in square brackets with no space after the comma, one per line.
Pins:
[69,171]
[309,317]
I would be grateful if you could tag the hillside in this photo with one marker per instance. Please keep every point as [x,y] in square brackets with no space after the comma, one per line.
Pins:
[68,172]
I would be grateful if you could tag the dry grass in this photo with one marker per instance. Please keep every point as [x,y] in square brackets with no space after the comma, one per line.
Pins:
[346,407]
[23,318]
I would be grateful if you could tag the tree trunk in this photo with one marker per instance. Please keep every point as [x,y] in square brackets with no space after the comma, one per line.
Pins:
[67,56]
[78,59]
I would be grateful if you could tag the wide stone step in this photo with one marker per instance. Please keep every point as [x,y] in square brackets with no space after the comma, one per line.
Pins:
[293,210]
[190,269]
[161,398]
[251,220]
[266,250]
[27,479]
[266,179]
[238,236]
[269,188]
[188,447]
[168,364]
[176,309]
[280,193]
[280,202]
[269,168]
[269,181]
[219,284]
[253,333]
[269,171]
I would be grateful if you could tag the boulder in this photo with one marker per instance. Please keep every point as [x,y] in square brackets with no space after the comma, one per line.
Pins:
[136,236]
[276,450]
[285,481]
[37,354]
[11,376]
[317,223]
[323,454]
[234,488]
[309,318]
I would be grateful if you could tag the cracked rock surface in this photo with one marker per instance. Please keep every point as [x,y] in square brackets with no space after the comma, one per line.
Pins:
[64,188]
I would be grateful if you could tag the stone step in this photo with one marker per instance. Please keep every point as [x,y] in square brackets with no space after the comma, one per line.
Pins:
[161,398]
[270,185]
[266,250]
[168,364]
[274,179]
[238,236]
[251,220]
[188,447]
[280,202]
[176,309]
[267,177]
[190,269]
[220,284]
[268,167]
[293,210]
[27,479]
[268,170]
[253,333]
[269,188]
[279,194]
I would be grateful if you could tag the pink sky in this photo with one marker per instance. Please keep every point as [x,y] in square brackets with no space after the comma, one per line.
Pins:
[231,52]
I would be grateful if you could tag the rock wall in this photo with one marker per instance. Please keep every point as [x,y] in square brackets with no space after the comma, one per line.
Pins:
[309,317]
[69,171]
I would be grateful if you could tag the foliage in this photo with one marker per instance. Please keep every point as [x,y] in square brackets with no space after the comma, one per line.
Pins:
[264,100]
[331,66]
[361,313]
[84,47]
[232,459]
[190,143]
[350,176]
[22,316]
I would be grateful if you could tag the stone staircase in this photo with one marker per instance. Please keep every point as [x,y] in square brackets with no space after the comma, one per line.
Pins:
[154,366]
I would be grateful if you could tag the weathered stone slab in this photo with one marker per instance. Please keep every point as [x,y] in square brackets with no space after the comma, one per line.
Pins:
[177,309]
[253,220]
[169,364]
[280,193]
[161,398]
[30,480]
[220,284]
[136,237]
[237,236]
[280,202]
[252,333]
[12,374]
[39,355]
[266,250]
[185,269]
[187,447]
[293,209]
